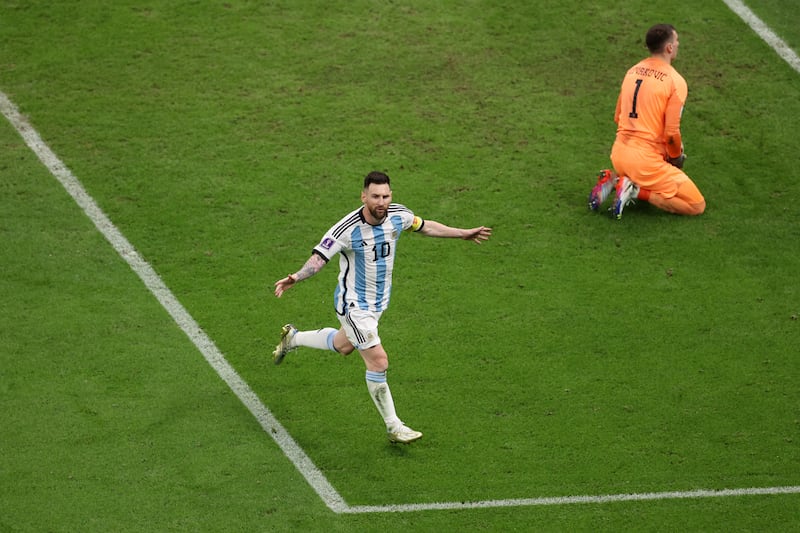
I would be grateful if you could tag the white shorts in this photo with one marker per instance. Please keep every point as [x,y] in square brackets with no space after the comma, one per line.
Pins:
[361,328]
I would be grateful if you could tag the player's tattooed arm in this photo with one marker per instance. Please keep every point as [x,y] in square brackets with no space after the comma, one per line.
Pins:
[311,267]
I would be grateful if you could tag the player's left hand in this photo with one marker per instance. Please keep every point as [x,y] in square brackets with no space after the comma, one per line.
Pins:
[477,235]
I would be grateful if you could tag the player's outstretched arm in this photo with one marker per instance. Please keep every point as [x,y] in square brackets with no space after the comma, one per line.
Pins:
[437,229]
[312,266]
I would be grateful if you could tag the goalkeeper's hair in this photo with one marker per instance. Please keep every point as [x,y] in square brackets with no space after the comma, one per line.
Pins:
[658,36]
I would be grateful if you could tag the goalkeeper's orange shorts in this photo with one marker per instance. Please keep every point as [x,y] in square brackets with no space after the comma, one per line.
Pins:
[647,168]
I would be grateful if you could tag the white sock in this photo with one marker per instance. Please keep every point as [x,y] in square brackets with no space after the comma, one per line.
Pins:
[321,339]
[382,396]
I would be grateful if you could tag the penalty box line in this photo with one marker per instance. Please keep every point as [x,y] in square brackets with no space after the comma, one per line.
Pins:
[571,500]
[315,478]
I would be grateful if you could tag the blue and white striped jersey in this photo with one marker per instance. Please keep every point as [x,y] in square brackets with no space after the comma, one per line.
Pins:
[366,257]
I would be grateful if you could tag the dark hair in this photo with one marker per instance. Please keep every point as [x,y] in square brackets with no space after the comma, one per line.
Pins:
[658,36]
[378,178]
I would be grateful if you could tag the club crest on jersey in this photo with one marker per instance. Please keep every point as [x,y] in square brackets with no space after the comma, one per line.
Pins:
[394,234]
[326,243]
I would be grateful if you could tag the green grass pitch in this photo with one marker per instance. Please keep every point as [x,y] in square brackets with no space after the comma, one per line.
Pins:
[571,355]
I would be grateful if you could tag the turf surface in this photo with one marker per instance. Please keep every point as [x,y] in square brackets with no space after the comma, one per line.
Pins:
[570,355]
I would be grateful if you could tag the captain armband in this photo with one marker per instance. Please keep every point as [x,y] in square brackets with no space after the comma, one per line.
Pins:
[417,224]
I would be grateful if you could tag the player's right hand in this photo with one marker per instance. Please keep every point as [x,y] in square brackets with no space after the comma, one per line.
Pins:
[677,161]
[282,285]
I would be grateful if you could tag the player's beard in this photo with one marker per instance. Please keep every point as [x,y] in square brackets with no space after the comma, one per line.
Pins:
[378,213]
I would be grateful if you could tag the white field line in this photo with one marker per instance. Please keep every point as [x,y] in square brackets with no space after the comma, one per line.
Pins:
[567,500]
[765,32]
[268,422]
[184,320]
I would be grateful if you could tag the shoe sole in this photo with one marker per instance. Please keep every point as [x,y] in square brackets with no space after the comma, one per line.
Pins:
[618,211]
[397,441]
[594,199]
[277,356]
[619,206]
[594,202]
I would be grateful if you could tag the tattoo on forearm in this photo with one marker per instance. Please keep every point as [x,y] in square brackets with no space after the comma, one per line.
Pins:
[312,266]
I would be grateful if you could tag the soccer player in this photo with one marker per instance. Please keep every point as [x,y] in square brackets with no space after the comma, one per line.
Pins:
[648,151]
[366,241]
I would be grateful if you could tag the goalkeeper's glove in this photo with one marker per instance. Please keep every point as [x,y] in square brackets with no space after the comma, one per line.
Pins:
[677,161]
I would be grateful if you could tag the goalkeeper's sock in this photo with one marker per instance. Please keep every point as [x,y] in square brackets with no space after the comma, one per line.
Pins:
[382,397]
[321,339]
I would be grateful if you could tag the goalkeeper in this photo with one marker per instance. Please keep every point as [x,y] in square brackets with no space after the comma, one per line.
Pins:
[648,151]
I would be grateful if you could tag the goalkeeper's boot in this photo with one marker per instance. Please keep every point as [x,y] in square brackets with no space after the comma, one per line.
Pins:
[285,346]
[403,434]
[627,191]
[601,191]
